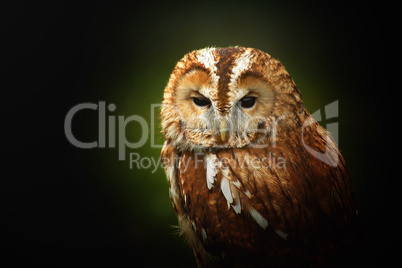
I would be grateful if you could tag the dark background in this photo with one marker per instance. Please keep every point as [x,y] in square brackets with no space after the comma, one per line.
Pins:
[65,206]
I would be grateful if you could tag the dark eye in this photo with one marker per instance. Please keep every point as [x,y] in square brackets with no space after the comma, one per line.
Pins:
[202,102]
[247,102]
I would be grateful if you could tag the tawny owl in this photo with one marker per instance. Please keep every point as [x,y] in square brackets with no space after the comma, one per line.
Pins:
[253,179]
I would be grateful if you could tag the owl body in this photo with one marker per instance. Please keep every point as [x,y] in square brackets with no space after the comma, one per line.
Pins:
[253,179]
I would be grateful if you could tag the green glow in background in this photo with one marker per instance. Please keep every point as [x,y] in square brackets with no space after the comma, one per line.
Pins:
[123,53]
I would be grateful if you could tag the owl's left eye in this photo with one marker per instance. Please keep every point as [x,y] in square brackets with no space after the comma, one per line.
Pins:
[201,102]
[247,102]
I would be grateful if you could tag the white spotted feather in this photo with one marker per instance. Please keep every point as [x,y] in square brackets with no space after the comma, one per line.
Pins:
[225,187]
[262,222]
[211,169]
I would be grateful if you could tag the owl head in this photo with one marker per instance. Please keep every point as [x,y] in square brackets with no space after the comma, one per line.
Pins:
[229,98]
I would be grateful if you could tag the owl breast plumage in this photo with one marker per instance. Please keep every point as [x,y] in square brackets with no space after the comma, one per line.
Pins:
[253,179]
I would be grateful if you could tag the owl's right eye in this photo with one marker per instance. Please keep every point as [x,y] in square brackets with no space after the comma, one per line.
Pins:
[202,102]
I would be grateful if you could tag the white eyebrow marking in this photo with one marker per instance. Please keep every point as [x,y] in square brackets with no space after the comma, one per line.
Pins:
[207,58]
[242,63]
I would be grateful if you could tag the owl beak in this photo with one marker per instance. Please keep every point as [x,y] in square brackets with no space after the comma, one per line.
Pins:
[223,129]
